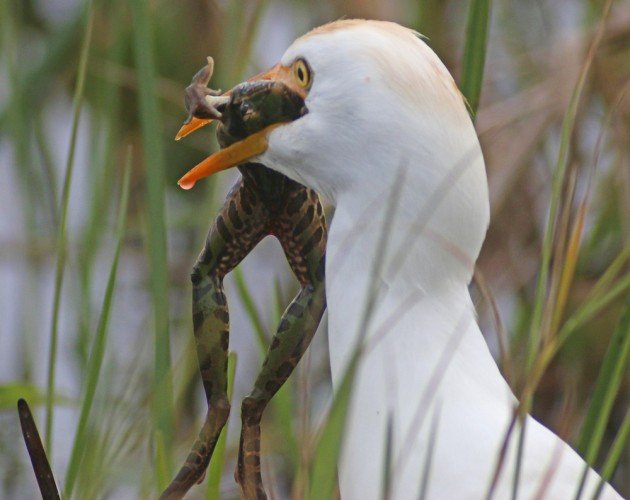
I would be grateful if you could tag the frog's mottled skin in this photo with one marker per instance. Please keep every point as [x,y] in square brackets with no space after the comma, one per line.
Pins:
[261,203]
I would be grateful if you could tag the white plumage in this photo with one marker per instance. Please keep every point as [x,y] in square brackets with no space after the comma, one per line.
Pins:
[388,140]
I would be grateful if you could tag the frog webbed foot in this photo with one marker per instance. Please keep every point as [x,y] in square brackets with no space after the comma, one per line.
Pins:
[201,101]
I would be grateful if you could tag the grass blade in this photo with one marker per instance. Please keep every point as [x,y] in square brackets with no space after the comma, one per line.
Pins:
[618,447]
[100,342]
[568,269]
[105,150]
[162,469]
[591,308]
[284,400]
[606,389]
[154,169]
[249,32]
[324,475]
[556,192]
[533,341]
[426,470]
[58,57]
[607,385]
[251,310]
[39,460]
[61,235]
[579,318]
[604,283]
[387,465]
[475,52]
[21,390]
[215,470]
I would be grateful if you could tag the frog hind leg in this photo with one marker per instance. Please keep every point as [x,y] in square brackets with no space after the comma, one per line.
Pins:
[301,229]
[235,232]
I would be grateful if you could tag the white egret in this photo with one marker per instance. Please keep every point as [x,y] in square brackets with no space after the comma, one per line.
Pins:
[388,141]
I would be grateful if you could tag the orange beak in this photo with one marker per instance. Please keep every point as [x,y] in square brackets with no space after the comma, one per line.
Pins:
[231,156]
[191,126]
[241,151]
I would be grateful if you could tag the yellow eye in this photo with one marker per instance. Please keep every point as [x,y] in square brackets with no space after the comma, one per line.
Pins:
[302,73]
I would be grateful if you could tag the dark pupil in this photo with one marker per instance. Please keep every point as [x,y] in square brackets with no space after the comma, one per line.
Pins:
[301,74]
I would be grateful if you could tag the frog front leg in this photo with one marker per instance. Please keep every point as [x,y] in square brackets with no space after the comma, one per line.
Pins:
[301,229]
[237,229]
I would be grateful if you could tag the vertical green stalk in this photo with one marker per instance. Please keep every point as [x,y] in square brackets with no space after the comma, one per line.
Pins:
[612,460]
[608,383]
[475,52]
[98,347]
[558,181]
[556,194]
[251,310]
[284,400]
[49,168]
[61,235]
[328,449]
[234,20]
[432,21]
[17,114]
[387,471]
[215,470]
[107,130]
[249,32]
[425,15]
[58,56]
[150,120]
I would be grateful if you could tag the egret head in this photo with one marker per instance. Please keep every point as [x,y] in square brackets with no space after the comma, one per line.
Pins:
[367,86]
[376,100]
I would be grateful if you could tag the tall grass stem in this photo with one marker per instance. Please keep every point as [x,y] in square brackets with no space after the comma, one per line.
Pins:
[99,344]
[150,120]
[61,235]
